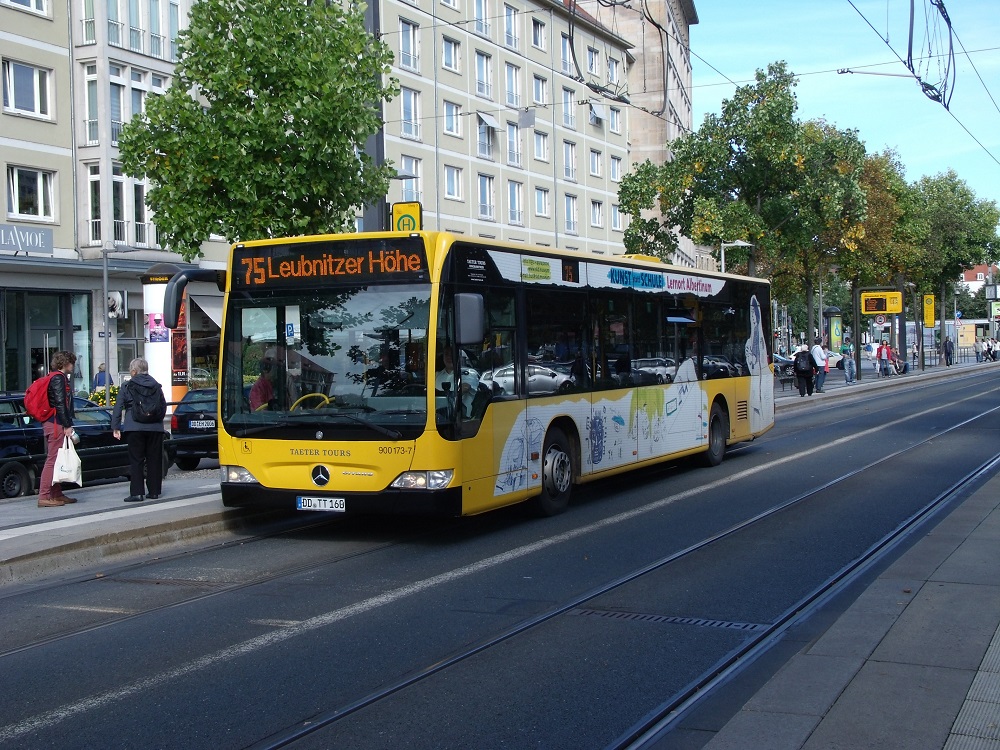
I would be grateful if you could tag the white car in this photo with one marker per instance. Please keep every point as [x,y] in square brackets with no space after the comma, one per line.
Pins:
[541,379]
[663,368]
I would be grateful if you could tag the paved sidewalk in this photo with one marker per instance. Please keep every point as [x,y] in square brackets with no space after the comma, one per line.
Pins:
[913,664]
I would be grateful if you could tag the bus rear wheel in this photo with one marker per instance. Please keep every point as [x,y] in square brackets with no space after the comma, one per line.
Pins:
[557,474]
[718,434]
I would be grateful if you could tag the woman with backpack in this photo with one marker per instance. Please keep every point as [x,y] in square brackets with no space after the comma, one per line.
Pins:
[139,413]
[57,427]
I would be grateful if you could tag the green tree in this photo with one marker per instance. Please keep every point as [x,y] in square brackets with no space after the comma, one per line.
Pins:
[962,233]
[262,131]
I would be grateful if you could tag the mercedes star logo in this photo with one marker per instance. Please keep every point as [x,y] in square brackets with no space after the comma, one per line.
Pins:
[320,476]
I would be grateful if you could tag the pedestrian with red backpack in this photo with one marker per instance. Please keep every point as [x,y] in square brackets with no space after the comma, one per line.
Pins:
[57,427]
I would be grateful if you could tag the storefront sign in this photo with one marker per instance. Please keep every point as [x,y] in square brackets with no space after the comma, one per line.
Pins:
[25,239]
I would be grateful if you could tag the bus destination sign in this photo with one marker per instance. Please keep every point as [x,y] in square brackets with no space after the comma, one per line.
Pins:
[307,264]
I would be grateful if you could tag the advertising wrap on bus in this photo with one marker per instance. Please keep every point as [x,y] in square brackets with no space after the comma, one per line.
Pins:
[432,373]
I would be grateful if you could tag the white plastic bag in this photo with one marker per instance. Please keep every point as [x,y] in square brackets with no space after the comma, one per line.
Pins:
[68,469]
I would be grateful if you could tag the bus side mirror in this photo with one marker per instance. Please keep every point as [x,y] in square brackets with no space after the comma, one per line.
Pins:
[470,319]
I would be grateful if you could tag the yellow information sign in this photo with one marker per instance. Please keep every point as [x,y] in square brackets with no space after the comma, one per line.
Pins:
[873,303]
[407,217]
[929,311]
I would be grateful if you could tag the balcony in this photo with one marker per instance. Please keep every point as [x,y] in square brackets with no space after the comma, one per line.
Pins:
[514,157]
[569,172]
[136,38]
[116,131]
[484,148]
[116,33]
[482,27]
[513,99]
[89,30]
[94,232]
[93,139]
[409,60]
[486,211]
[484,88]
[156,46]
[517,217]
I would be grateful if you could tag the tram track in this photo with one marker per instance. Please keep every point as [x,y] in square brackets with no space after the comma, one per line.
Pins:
[676,706]
[117,575]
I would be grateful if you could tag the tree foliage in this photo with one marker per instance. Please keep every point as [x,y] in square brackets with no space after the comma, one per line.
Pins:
[262,130]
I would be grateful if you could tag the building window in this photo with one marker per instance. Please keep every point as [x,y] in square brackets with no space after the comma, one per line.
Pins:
[118,204]
[616,168]
[30,193]
[593,61]
[453,183]
[616,120]
[409,165]
[570,206]
[569,160]
[510,27]
[569,108]
[117,106]
[451,55]
[143,233]
[409,50]
[595,162]
[452,118]
[616,218]
[612,70]
[538,36]
[541,202]
[484,75]
[541,146]
[596,214]
[94,203]
[486,205]
[513,144]
[410,127]
[25,89]
[566,54]
[515,211]
[484,140]
[36,5]
[513,78]
[540,90]
[481,17]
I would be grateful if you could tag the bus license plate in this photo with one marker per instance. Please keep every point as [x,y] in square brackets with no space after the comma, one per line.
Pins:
[336,504]
[202,424]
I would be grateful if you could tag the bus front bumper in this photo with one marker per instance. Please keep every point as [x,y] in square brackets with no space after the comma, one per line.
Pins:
[446,502]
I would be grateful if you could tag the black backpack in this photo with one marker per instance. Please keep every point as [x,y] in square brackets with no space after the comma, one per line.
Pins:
[803,363]
[148,404]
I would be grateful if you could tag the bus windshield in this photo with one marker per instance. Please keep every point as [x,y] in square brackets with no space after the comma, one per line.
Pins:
[347,361]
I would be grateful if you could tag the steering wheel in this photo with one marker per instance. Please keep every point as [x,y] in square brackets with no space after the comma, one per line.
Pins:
[325,400]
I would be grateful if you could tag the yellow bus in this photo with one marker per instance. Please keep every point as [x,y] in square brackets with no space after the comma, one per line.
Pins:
[430,373]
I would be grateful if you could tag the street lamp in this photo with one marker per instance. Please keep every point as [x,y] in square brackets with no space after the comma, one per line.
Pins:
[109,247]
[734,243]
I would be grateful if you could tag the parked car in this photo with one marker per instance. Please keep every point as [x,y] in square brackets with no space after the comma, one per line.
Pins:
[194,425]
[541,379]
[717,366]
[783,366]
[663,368]
[22,446]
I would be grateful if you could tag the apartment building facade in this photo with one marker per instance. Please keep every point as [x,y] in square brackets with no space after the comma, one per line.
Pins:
[516,120]
[512,120]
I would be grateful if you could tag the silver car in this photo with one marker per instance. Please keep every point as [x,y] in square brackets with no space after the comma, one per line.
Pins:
[541,379]
[661,367]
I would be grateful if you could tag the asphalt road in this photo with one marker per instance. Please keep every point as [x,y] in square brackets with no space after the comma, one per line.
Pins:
[230,645]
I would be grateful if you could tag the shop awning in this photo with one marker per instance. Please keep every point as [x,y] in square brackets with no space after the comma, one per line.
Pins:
[211,306]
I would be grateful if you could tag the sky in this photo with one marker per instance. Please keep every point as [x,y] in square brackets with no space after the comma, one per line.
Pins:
[819,37]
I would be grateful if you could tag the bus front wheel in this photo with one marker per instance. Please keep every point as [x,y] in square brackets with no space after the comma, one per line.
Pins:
[718,434]
[557,474]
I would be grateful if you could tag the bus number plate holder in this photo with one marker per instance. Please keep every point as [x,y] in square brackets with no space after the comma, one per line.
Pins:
[335,504]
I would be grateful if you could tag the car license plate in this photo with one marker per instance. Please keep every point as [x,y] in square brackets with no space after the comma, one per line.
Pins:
[336,504]
[201,424]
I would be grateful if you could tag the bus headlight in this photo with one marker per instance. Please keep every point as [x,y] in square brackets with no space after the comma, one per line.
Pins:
[238,475]
[423,480]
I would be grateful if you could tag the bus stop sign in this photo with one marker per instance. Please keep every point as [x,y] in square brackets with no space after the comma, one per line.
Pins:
[407,217]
